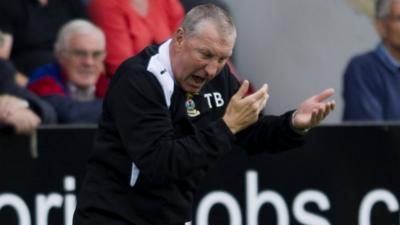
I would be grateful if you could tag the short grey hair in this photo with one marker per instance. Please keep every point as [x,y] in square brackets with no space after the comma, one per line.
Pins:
[77,26]
[208,12]
[382,8]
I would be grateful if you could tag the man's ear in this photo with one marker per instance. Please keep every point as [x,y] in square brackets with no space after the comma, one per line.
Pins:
[179,36]
[380,26]
[61,57]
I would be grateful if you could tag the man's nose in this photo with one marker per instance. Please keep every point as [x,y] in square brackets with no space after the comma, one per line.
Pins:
[88,59]
[212,68]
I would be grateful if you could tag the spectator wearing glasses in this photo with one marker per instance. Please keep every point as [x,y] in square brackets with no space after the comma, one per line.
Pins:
[75,84]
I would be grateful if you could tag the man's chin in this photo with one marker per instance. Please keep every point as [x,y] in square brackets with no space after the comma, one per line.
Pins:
[193,89]
[85,84]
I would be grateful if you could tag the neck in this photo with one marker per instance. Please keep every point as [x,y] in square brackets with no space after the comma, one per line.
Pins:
[82,93]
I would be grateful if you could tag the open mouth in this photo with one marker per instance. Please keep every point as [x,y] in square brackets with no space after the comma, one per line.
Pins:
[198,79]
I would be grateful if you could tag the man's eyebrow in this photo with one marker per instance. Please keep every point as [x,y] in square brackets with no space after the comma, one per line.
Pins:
[204,49]
[208,51]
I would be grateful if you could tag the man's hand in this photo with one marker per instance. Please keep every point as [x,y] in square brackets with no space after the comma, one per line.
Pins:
[24,121]
[313,110]
[10,104]
[15,112]
[243,111]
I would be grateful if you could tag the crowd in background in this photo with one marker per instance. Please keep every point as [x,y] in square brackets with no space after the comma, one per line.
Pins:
[57,56]
[372,79]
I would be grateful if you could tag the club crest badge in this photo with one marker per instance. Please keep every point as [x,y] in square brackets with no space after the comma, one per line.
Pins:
[191,106]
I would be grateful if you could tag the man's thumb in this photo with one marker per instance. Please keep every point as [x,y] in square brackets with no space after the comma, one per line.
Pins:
[243,89]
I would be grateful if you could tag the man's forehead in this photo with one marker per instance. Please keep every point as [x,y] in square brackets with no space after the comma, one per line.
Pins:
[224,47]
[92,40]
[221,52]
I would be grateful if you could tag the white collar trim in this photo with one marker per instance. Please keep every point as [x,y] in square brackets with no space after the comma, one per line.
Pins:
[160,67]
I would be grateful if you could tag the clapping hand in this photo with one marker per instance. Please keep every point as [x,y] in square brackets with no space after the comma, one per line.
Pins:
[313,110]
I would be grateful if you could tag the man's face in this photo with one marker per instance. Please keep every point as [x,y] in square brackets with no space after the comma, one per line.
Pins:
[83,60]
[391,27]
[199,59]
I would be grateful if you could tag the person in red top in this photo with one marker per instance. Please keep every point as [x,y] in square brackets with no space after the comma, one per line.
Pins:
[131,25]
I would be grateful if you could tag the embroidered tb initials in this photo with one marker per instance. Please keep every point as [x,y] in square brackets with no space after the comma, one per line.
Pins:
[218,100]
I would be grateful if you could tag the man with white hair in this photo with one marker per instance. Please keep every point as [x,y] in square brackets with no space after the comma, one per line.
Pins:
[170,113]
[371,84]
[75,84]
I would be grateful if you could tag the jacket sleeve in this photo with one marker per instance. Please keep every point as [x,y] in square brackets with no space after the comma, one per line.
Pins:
[8,86]
[361,93]
[270,134]
[72,111]
[45,111]
[146,130]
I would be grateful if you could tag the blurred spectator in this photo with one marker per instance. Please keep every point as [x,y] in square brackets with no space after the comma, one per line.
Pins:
[75,84]
[20,110]
[29,28]
[131,25]
[372,80]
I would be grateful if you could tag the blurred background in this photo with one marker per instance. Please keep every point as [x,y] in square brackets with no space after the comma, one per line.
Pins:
[300,47]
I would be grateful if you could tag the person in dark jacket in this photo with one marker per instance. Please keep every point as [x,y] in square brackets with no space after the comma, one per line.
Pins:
[371,80]
[20,110]
[170,113]
[30,27]
[75,84]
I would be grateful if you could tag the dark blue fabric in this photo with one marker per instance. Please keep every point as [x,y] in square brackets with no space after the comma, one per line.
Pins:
[68,110]
[51,69]
[73,111]
[8,86]
[371,88]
